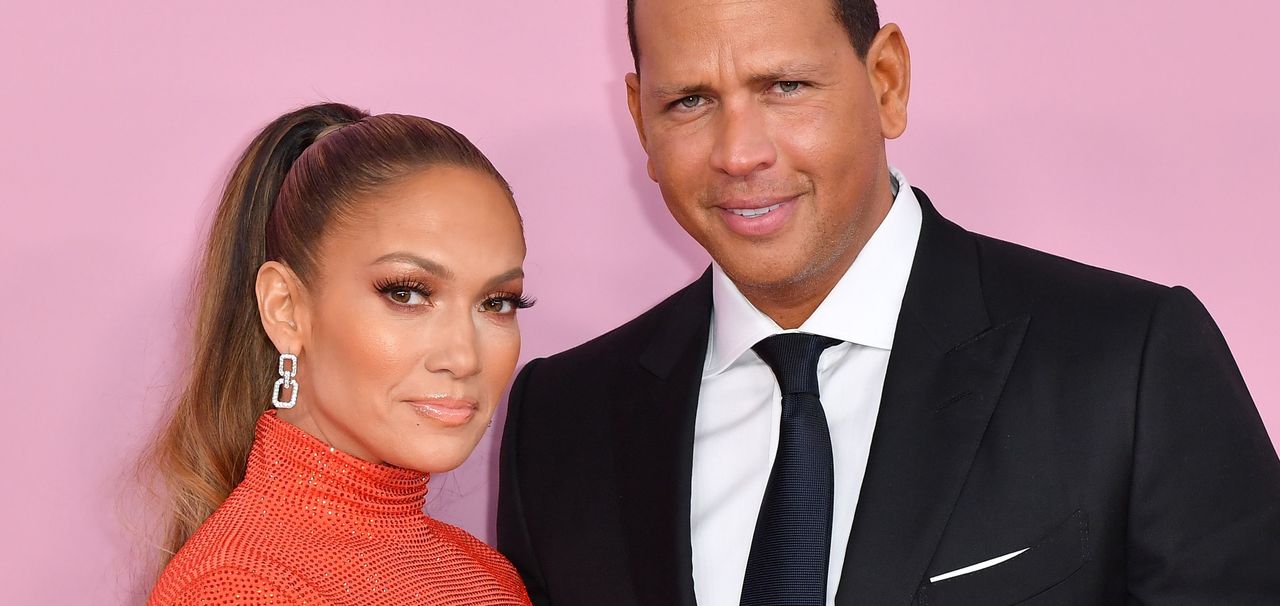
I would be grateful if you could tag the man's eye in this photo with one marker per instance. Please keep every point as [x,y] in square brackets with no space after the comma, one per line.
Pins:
[788,87]
[690,102]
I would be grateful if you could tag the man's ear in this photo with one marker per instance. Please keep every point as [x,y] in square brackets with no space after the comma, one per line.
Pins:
[633,105]
[282,306]
[889,67]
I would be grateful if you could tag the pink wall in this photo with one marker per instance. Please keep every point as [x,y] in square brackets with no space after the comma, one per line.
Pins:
[1139,136]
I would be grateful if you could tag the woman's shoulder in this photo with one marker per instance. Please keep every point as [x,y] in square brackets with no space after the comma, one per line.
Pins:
[227,583]
[231,555]
[457,536]
[498,573]
[477,550]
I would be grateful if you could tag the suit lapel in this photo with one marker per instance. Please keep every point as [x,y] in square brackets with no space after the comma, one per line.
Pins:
[654,458]
[945,376]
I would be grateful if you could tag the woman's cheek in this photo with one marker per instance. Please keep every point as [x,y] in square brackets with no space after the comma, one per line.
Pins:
[502,353]
[379,347]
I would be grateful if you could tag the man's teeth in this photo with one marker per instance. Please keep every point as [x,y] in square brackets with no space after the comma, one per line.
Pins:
[754,212]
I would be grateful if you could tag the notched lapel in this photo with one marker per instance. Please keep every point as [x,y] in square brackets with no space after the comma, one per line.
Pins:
[934,412]
[973,373]
[656,408]
[947,370]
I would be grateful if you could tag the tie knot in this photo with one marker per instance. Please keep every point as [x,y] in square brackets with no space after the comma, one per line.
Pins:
[794,357]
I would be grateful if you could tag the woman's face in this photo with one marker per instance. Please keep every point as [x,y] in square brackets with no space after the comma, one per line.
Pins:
[410,332]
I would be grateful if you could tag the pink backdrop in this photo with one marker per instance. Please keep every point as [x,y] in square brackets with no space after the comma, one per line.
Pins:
[1139,136]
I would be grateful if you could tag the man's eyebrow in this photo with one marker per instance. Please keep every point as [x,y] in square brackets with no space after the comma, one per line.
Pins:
[678,91]
[427,265]
[779,73]
[789,73]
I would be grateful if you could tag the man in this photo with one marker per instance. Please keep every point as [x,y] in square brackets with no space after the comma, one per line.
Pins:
[861,402]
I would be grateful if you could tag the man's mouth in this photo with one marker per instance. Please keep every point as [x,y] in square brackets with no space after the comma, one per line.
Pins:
[757,218]
[751,213]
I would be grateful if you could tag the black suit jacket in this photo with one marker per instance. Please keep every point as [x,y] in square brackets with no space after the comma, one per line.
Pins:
[1030,402]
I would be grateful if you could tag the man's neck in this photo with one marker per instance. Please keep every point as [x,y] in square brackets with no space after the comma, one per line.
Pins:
[791,305]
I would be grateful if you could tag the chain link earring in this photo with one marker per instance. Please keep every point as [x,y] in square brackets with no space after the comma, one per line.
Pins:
[288,368]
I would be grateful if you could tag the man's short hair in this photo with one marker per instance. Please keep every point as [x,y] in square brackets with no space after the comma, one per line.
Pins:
[860,19]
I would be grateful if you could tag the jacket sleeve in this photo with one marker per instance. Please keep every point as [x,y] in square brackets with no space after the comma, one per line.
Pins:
[513,529]
[1204,510]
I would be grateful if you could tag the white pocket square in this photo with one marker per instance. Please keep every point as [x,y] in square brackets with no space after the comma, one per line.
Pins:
[976,567]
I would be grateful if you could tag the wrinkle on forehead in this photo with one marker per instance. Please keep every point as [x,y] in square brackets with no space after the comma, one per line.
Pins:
[732,40]
[716,16]
[728,8]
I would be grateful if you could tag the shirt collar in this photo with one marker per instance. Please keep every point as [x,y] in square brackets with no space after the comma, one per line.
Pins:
[862,308]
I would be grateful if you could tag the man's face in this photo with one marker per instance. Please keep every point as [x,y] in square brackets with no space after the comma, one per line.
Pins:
[763,131]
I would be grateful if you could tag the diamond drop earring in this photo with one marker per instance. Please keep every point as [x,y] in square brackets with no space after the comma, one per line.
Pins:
[288,368]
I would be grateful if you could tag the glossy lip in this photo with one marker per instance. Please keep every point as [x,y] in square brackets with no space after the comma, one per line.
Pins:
[446,410]
[759,226]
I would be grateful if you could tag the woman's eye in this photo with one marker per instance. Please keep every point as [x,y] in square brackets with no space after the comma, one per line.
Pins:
[498,306]
[405,296]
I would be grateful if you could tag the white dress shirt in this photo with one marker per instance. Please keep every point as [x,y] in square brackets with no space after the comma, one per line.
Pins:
[740,403]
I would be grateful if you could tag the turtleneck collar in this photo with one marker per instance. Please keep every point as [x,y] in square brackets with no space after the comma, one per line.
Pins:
[325,483]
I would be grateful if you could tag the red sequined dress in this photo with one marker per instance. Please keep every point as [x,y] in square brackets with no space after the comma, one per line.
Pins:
[311,525]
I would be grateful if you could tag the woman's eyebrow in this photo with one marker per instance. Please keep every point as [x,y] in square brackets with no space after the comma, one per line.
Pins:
[514,273]
[427,265]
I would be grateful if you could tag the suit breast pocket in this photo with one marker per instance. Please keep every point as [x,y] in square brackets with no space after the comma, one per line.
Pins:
[1042,565]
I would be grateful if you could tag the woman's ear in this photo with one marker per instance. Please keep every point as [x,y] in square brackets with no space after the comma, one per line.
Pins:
[282,307]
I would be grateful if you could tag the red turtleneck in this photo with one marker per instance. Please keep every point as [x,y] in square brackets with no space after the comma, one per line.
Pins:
[311,525]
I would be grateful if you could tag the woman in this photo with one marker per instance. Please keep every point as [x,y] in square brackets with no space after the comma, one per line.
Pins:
[356,326]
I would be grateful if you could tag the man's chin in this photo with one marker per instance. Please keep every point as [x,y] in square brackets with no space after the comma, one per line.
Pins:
[764,274]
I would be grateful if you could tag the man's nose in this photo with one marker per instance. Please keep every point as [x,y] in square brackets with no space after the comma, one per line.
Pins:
[454,345]
[743,142]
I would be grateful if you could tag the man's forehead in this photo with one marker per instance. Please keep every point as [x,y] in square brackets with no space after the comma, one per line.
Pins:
[686,25]
[685,36]
[709,13]
[704,13]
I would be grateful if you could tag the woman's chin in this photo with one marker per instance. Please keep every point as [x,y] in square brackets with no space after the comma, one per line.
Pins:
[442,453]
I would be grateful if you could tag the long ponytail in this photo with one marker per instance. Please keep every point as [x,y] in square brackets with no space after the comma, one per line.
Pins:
[203,451]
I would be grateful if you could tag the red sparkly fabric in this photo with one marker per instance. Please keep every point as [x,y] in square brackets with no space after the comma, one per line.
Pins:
[311,525]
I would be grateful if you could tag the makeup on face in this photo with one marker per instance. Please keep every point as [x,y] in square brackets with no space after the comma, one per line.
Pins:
[448,411]
[414,332]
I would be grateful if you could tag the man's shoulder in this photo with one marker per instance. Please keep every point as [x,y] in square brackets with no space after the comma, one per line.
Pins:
[1018,279]
[626,343]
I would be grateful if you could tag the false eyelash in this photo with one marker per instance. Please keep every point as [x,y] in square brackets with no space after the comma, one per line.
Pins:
[520,301]
[393,284]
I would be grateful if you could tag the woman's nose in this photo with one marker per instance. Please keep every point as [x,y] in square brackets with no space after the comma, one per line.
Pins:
[453,346]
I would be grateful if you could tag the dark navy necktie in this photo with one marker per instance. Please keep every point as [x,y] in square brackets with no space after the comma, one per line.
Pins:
[792,542]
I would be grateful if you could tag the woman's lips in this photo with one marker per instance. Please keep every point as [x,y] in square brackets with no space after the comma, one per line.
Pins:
[757,218]
[450,412]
